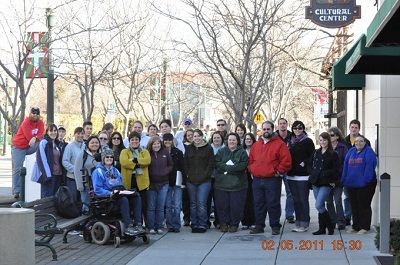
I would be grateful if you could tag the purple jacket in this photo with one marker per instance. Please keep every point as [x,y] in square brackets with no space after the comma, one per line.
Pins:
[160,166]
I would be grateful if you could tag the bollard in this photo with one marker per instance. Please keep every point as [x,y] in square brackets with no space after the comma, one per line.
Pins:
[21,202]
[17,236]
[384,216]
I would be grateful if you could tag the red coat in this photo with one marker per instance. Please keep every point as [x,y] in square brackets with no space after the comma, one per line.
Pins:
[26,131]
[266,159]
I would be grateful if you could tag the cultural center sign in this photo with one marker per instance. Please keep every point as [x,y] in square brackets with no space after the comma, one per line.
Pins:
[36,49]
[333,13]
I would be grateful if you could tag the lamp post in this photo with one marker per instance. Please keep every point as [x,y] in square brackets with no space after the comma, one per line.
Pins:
[50,22]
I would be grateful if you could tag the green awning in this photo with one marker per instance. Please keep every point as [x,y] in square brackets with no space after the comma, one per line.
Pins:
[384,29]
[342,81]
[373,60]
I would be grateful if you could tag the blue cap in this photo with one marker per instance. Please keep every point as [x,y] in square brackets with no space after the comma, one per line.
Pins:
[187,120]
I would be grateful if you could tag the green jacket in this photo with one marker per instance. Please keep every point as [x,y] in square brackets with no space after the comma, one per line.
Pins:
[235,178]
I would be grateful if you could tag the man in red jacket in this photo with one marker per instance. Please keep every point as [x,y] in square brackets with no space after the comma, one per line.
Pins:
[25,142]
[269,160]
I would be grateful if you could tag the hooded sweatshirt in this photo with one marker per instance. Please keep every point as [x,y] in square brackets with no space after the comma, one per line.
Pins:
[198,163]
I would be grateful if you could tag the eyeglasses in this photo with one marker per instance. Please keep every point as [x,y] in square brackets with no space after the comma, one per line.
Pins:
[108,157]
[332,135]
[116,138]
[297,128]
[221,124]
[102,138]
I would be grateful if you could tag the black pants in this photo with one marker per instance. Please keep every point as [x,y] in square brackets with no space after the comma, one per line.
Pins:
[360,201]
[248,213]
[186,205]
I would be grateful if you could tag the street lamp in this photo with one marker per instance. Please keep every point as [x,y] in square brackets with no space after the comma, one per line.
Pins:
[50,22]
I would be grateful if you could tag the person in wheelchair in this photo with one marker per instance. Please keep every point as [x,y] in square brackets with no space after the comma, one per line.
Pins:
[105,178]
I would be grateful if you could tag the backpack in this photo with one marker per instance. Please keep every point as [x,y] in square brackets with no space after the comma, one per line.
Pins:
[65,204]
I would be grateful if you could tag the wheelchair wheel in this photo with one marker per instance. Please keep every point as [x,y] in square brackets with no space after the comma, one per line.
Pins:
[146,239]
[100,233]
[117,241]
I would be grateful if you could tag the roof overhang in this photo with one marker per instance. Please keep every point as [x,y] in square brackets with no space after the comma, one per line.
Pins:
[373,60]
[342,81]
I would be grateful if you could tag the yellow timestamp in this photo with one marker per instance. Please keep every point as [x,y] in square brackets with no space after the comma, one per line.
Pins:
[304,245]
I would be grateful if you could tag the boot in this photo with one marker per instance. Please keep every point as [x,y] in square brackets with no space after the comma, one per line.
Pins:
[322,226]
[328,223]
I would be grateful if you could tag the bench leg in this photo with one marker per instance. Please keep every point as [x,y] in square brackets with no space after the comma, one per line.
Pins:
[50,247]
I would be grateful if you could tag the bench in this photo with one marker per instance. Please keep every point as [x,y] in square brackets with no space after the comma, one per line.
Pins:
[48,223]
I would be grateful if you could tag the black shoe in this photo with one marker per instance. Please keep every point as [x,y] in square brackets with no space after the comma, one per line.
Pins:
[276,231]
[224,228]
[348,221]
[202,230]
[290,220]
[341,227]
[16,196]
[186,223]
[171,230]
[176,230]
[320,232]
[256,230]
[195,230]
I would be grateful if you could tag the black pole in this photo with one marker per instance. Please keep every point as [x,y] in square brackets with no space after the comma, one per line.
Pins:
[50,74]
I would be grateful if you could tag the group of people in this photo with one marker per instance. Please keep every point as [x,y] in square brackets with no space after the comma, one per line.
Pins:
[236,175]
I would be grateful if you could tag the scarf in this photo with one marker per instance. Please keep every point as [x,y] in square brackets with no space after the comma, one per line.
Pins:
[299,138]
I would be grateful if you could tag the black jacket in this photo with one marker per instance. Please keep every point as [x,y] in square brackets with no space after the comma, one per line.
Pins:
[301,152]
[177,159]
[324,168]
[198,163]
[349,145]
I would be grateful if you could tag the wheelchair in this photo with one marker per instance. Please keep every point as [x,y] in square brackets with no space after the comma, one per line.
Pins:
[105,223]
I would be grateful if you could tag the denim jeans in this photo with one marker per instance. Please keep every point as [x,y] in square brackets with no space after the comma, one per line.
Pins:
[321,195]
[198,203]
[174,205]
[71,184]
[336,211]
[230,206]
[346,203]
[85,199]
[18,159]
[300,192]
[289,207]
[126,205]
[50,187]
[267,199]
[155,207]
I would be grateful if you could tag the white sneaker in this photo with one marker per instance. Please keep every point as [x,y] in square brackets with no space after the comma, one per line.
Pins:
[160,231]
[152,232]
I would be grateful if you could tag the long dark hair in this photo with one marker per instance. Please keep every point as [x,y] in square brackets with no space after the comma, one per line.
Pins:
[326,136]
[253,138]
[119,147]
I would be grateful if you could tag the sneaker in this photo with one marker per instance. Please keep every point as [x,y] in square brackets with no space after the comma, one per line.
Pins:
[224,228]
[276,231]
[233,229]
[202,230]
[290,220]
[170,230]
[245,227]
[176,230]
[139,230]
[299,229]
[195,230]
[257,230]
[130,231]
[152,232]
[160,231]
[362,232]
[351,231]
[212,217]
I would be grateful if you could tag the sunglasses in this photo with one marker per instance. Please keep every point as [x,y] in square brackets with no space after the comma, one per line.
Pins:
[187,123]
[297,128]
[102,138]
[332,135]
[220,124]
[116,138]
[108,157]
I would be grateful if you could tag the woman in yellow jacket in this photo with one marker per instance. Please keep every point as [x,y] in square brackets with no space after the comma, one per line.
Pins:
[134,168]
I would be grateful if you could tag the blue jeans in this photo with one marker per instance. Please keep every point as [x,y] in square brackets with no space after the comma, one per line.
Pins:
[230,206]
[174,205]
[50,187]
[126,205]
[336,211]
[18,159]
[267,199]
[198,203]
[321,195]
[300,192]
[71,184]
[346,203]
[289,207]
[85,199]
[155,206]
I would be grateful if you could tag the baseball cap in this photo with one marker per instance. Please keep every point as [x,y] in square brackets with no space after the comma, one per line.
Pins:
[35,109]
[187,120]
[168,136]
[61,127]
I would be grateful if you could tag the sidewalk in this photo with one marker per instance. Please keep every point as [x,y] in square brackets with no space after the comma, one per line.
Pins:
[215,247]
[6,178]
